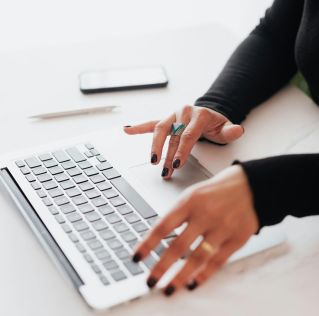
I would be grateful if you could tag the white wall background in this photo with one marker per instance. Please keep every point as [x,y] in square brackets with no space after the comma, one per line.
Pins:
[32,23]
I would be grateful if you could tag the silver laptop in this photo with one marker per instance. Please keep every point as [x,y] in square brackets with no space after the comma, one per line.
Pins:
[90,200]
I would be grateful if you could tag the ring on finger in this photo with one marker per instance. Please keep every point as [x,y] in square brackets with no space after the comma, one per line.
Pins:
[177,129]
[209,248]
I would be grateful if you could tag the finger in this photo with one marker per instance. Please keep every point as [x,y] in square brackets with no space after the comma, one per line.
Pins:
[161,131]
[187,141]
[199,257]
[215,263]
[173,219]
[176,250]
[228,133]
[143,128]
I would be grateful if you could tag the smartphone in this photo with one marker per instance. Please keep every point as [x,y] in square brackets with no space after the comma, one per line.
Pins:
[119,79]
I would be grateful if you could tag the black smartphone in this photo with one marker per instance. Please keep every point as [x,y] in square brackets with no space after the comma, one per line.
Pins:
[119,79]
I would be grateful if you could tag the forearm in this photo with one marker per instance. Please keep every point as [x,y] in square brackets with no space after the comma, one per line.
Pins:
[284,185]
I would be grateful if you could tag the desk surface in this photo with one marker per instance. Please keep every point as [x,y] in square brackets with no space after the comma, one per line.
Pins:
[283,281]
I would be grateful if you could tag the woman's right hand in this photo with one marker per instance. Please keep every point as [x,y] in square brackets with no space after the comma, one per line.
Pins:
[200,122]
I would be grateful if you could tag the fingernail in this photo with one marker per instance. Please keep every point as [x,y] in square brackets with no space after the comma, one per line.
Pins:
[153,158]
[136,258]
[169,290]
[176,163]
[165,172]
[151,282]
[128,126]
[192,285]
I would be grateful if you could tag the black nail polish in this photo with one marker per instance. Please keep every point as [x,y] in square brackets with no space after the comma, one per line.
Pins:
[165,172]
[192,285]
[169,290]
[151,282]
[154,158]
[136,258]
[176,163]
[128,126]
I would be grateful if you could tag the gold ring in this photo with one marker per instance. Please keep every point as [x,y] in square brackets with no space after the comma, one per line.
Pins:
[208,247]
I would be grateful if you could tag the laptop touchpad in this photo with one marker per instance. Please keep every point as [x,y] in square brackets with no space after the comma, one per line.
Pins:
[162,193]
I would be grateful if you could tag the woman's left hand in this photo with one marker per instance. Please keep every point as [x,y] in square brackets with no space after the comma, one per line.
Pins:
[221,211]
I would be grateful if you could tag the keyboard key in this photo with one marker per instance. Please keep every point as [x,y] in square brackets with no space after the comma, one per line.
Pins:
[67,208]
[92,216]
[122,254]
[50,163]
[132,218]
[50,185]
[80,199]
[56,170]
[113,218]
[104,186]
[133,267]
[97,178]
[25,170]
[73,192]
[117,201]
[106,209]
[133,197]
[67,184]
[55,192]
[60,177]
[88,235]
[128,237]
[107,234]
[91,194]
[114,244]
[80,226]
[110,265]
[94,152]
[74,217]
[95,244]
[47,201]
[102,255]
[118,275]
[68,165]
[36,185]
[67,229]
[86,208]
[86,186]
[104,280]
[33,162]
[100,158]
[45,157]
[99,201]
[88,258]
[121,227]
[124,209]
[80,179]
[74,172]
[150,261]
[20,163]
[96,268]
[61,156]
[84,164]
[91,172]
[111,174]
[152,221]
[30,177]
[140,227]
[60,200]
[160,249]
[53,210]
[73,237]
[39,170]
[60,219]
[88,154]
[104,166]
[111,193]
[99,225]
[75,154]
[89,146]
[80,247]
[41,193]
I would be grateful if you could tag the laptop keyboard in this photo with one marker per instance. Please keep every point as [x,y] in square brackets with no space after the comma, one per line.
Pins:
[101,213]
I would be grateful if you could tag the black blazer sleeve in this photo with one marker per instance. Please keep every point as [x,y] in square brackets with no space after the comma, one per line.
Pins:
[262,64]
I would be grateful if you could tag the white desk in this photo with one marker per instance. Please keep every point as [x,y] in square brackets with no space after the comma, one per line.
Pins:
[284,281]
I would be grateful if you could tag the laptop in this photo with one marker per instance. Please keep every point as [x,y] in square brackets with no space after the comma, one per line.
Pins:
[90,200]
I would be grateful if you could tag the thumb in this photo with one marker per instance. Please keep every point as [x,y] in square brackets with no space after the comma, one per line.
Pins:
[229,132]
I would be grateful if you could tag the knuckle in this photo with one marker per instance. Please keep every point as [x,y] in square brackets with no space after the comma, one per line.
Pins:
[188,136]
[160,126]
[187,109]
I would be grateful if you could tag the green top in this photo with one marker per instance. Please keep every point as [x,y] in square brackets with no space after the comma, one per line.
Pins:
[299,81]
